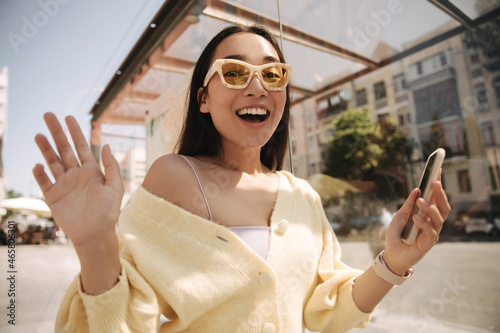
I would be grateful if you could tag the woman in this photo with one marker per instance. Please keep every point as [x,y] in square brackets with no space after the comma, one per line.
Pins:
[217,239]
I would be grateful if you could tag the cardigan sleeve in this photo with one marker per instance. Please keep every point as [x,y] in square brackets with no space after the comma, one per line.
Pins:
[130,306]
[331,307]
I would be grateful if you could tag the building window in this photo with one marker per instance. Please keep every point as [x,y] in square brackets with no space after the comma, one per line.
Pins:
[493,177]
[488,133]
[428,65]
[474,58]
[399,83]
[401,120]
[477,72]
[361,97]
[481,96]
[496,85]
[448,135]
[402,114]
[380,92]
[312,146]
[309,116]
[383,117]
[442,59]
[464,184]
[419,67]
[436,102]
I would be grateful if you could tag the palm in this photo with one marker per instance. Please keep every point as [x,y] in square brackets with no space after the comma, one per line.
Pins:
[81,192]
[83,201]
[404,255]
[404,252]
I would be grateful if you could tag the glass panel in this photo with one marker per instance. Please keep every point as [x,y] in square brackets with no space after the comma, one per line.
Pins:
[313,69]
[376,29]
[190,44]
[476,8]
[372,133]
[444,96]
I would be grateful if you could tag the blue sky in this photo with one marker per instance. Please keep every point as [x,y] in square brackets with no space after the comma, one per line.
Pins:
[60,53]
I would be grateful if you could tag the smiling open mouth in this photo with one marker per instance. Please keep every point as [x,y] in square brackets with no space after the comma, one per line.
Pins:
[253,115]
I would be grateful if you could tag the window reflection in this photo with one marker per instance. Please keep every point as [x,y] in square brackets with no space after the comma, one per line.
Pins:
[464,181]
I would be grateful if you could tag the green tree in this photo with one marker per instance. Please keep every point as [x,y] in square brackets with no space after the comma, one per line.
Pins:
[392,143]
[364,149]
[12,194]
[485,37]
[352,154]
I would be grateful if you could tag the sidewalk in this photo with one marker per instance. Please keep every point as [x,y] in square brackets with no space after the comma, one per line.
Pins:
[45,271]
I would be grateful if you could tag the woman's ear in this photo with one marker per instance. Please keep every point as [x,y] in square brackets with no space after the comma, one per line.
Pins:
[202,98]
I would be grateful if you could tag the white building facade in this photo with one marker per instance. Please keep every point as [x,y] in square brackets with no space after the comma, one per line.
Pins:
[4,83]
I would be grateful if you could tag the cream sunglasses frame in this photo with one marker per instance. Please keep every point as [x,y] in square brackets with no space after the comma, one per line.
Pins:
[217,68]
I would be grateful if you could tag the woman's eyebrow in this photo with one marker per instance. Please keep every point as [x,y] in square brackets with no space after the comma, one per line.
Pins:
[242,58]
[271,59]
[235,56]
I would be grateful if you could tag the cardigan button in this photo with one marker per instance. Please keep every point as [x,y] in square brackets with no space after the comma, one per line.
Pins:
[282,226]
[269,328]
[266,279]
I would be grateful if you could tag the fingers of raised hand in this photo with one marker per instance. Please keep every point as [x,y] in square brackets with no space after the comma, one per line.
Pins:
[66,154]
[54,163]
[41,178]
[111,169]
[81,145]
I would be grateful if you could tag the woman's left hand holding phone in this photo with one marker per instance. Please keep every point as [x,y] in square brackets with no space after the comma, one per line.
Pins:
[400,256]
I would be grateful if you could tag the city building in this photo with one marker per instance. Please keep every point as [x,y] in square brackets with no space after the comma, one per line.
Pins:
[4,84]
[442,96]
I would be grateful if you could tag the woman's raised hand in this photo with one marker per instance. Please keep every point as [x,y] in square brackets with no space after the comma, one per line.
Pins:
[84,202]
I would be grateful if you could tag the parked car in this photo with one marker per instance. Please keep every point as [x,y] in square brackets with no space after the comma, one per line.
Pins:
[360,223]
[339,225]
[478,222]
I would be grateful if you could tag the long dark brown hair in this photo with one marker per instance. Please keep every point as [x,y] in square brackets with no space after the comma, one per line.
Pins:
[199,135]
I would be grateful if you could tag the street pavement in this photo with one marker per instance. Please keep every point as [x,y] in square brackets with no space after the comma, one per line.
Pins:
[454,289]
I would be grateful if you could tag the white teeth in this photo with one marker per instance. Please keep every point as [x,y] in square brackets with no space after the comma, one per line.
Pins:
[254,111]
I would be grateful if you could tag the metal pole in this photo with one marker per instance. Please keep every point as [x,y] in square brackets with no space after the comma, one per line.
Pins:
[282,50]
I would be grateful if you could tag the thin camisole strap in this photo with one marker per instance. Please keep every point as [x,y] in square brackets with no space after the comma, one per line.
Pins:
[201,188]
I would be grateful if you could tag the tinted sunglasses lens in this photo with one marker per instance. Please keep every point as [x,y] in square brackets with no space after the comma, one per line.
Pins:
[275,76]
[235,74]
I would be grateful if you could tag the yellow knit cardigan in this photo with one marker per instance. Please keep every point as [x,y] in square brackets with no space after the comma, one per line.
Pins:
[203,278]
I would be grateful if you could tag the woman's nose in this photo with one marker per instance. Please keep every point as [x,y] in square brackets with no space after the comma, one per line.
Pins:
[255,87]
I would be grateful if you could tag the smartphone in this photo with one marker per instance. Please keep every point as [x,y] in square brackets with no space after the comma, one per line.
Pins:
[429,176]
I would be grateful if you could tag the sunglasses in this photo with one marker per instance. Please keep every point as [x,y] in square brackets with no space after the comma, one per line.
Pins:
[237,74]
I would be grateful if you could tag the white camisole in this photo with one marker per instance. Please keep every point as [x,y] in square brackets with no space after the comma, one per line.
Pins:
[256,237]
